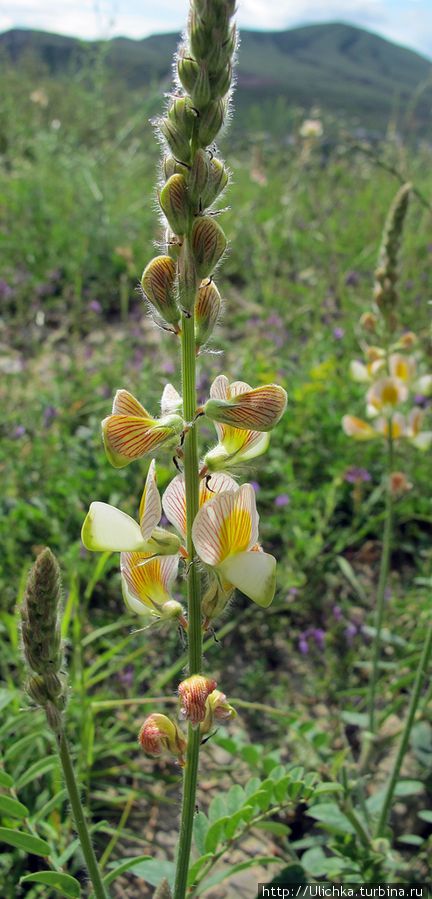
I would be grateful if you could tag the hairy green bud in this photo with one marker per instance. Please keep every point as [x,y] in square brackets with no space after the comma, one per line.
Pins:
[177,141]
[207,309]
[201,93]
[198,178]
[175,203]
[210,122]
[171,166]
[159,285]
[220,82]
[188,71]
[216,183]
[208,245]
[182,116]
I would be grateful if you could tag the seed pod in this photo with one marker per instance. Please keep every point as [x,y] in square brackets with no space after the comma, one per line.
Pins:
[217,181]
[158,284]
[176,140]
[188,70]
[175,204]
[211,122]
[199,177]
[208,245]
[207,309]
[182,116]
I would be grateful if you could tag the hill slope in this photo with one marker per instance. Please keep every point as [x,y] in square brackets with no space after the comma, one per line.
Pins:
[342,68]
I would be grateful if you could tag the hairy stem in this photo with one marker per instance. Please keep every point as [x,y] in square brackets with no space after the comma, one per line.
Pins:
[191,474]
[79,818]
[415,698]
[382,583]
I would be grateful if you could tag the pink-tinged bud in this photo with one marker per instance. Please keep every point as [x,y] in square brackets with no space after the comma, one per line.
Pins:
[199,177]
[408,340]
[193,693]
[208,245]
[158,284]
[160,734]
[207,309]
[182,115]
[210,122]
[176,140]
[188,70]
[399,484]
[258,409]
[175,203]
[369,321]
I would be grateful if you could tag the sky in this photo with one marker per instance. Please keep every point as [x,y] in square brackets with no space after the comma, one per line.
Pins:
[407,22]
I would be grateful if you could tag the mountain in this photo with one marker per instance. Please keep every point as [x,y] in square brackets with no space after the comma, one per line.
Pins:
[343,69]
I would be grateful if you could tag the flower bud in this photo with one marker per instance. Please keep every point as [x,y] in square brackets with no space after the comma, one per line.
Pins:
[208,245]
[176,140]
[259,409]
[217,182]
[188,70]
[399,484]
[171,166]
[210,122]
[369,321]
[218,709]
[201,94]
[193,693]
[200,38]
[171,609]
[160,734]
[214,601]
[207,308]
[198,178]
[158,284]
[220,82]
[408,340]
[175,204]
[182,116]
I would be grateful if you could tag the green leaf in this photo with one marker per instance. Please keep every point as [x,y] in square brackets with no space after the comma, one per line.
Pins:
[250,754]
[215,834]
[6,780]
[217,809]
[24,841]
[120,867]
[64,883]
[234,799]
[201,826]
[42,813]
[426,815]
[358,719]
[153,870]
[279,830]
[412,839]
[328,787]
[329,814]
[281,788]
[314,861]
[195,869]
[351,577]
[252,786]
[243,814]
[242,866]
[37,770]
[12,807]
[6,696]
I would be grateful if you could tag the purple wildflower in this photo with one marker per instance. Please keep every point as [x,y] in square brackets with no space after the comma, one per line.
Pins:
[352,279]
[95,306]
[338,333]
[337,612]
[303,645]
[319,636]
[255,486]
[49,414]
[355,475]
[18,432]
[282,500]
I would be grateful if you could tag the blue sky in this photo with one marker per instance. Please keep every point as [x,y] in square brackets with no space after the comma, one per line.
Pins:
[407,22]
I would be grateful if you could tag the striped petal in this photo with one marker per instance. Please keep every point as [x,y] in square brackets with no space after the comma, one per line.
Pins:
[226,525]
[174,498]
[171,400]
[147,581]
[220,389]
[398,426]
[387,393]
[107,529]
[259,409]
[150,511]
[254,573]
[128,437]
[357,428]
[126,404]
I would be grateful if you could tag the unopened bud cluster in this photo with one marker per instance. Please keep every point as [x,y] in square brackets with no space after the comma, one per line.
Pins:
[41,637]
[180,279]
[386,274]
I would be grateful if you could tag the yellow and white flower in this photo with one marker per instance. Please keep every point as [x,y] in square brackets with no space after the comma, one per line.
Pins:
[130,432]
[147,582]
[385,395]
[236,445]
[357,428]
[225,535]
[107,529]
[174,498]
[242,406]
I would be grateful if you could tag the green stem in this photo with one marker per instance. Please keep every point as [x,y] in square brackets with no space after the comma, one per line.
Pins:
[382,583]
[191,475]
[415,698]
[80,821]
